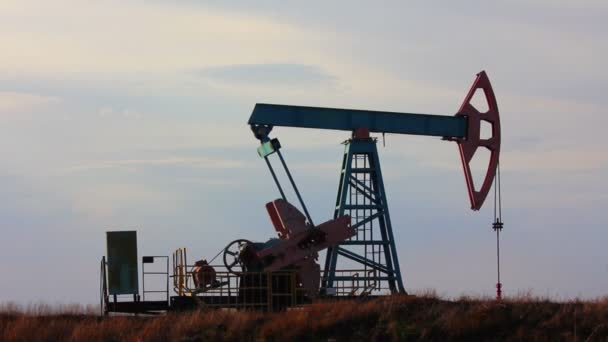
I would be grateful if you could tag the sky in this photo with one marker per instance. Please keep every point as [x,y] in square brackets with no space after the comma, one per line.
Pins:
[120,115]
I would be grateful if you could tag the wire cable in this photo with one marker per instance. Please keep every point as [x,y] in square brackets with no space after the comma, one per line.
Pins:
[497,225]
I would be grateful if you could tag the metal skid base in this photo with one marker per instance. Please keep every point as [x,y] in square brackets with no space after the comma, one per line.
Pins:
[138,307]
[260,291]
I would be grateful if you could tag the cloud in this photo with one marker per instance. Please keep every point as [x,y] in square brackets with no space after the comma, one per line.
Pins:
[202,163]
[274,74]
[108,111]
[564,159]
[11,102]
[77,38]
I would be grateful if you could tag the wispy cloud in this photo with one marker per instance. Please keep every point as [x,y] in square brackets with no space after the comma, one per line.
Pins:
[12,102]
[561,159]
[95,38]
[200,163]
[278,74]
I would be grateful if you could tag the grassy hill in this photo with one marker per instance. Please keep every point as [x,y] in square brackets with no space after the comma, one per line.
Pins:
[391,318]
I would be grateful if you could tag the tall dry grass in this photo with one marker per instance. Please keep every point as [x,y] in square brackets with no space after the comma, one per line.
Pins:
[424,317]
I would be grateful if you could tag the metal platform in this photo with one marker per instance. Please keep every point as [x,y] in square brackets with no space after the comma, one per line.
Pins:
[261,291]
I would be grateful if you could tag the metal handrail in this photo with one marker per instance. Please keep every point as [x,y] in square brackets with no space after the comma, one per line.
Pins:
[103,288]
[144,273]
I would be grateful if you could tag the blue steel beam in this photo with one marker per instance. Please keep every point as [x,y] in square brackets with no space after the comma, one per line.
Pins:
[351,119]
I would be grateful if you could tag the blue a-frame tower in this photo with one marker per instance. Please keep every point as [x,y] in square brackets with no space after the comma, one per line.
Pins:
[361,195]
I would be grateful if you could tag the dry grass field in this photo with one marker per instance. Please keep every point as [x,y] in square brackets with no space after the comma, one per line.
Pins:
[398,318]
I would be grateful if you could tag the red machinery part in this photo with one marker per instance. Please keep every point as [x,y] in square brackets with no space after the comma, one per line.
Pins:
[275,217]
[286,218]
[203,274]
[468,146]
[298,241]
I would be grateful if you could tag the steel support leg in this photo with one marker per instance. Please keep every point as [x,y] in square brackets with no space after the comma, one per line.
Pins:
[361,195]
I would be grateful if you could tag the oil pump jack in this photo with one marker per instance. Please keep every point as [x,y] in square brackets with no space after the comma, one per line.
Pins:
[361,191]
[283,272]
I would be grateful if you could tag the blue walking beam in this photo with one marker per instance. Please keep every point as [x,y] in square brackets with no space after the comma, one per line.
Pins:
[269,115]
